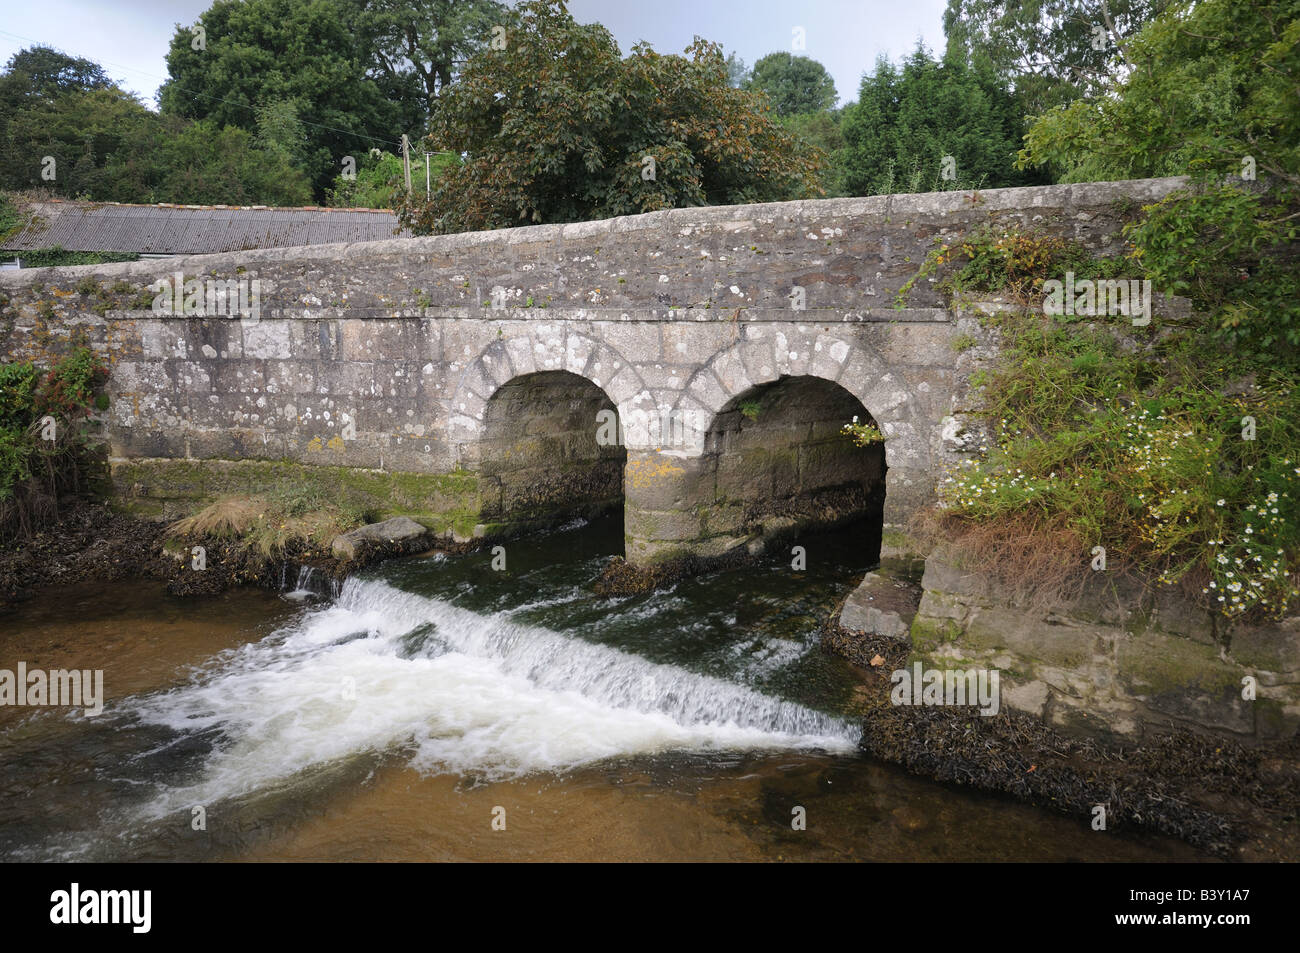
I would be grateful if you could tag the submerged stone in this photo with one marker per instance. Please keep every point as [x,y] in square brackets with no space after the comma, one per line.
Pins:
[401,530]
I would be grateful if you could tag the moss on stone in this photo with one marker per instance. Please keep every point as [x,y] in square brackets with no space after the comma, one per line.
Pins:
[1160,664]
[439,500]
[898,540]
[1272,720]
[943,662]
[928,634]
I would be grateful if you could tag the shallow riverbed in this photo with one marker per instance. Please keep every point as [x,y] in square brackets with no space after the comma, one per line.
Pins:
[437,709]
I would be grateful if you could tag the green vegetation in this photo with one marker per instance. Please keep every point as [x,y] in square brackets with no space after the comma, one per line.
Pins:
[822,131]
[45,444]
[370,72]
[995,260]
[64,128]
[554,125]
[1175,447]
[1110,435]
[441,501]
[909,120]
[559,127]
[1212,93]
[51,257]
[1207,85]
[862,434]
[296,515]
[1047,53]
[380,180]
[250,113]
[254,59]
[794,85]
[11,220]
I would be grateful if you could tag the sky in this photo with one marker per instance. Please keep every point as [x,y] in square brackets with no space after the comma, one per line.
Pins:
[129,38]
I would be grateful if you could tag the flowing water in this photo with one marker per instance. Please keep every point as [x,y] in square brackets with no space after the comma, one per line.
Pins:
[433,708]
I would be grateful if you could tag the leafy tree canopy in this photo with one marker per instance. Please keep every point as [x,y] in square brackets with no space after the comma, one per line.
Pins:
[106,146]
[1210,89]
[908,120]
[794,84]
[821,130]
[45,72]
[1049,51]
[253,53]
[416,47]
[1205,86]
[559,127]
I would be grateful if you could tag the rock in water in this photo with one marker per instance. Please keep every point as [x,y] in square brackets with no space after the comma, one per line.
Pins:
[401,532]
[881,606]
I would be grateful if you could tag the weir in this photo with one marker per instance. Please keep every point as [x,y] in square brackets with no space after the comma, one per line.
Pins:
[463,379]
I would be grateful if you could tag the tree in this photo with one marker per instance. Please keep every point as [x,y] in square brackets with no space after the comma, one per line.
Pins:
[281,132]
[909,122]
[794,84]
[38,75]
[1206,86]
[558,127]
[422,44]
[257,52]
[1210,91]
[737,72]
[199,163]
[78,132]
[107,146]
[1048,51]
[46,73]
[821,131]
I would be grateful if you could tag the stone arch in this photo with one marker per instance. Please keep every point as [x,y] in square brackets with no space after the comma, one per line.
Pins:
[779,463]
[529,348]
[548,452]
[766,352]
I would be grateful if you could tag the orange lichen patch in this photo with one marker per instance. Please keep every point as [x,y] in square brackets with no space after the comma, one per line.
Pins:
[644,473]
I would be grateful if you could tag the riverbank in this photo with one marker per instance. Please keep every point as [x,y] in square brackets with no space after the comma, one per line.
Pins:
[1234,800]
[88,541]
[93,542]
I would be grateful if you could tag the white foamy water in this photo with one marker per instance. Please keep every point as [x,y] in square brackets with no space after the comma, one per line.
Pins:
[307,587]
[467,692]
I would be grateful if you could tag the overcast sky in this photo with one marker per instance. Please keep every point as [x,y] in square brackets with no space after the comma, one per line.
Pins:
[129,38]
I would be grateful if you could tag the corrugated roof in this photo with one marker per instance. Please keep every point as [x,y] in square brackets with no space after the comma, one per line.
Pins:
[194,229]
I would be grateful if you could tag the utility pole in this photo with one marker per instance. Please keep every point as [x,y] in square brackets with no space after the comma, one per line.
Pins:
[406,161]
[426,174]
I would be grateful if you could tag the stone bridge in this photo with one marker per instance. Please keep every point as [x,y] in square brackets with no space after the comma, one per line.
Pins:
[694,366]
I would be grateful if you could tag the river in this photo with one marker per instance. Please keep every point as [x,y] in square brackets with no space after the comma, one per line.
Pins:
[437,709]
